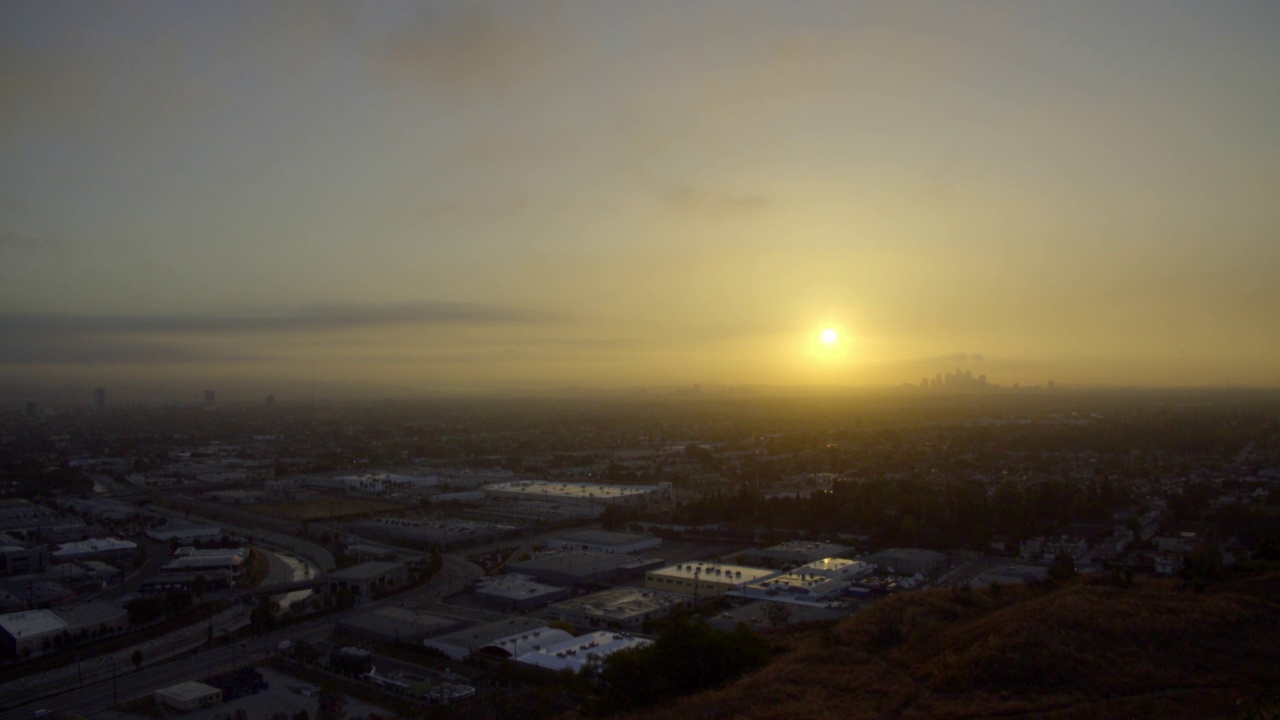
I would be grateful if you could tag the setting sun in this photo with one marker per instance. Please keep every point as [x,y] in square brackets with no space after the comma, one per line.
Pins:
[829,336]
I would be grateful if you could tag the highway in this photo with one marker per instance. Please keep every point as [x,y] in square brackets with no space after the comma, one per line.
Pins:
[100,683]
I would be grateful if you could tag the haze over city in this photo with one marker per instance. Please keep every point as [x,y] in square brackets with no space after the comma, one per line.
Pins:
[459,196]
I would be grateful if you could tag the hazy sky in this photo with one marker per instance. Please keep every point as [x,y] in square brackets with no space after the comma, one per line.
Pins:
[474,194]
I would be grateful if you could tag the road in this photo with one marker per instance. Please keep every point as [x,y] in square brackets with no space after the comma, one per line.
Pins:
[123,683]
[106,681]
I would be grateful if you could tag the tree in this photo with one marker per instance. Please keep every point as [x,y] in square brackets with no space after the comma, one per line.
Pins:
[778,614]
[1063,568]
[136,658]
[689,655]
[332,705]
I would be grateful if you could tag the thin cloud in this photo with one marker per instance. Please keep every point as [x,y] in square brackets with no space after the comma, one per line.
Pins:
[309,319]
[470,49]
[701,200]
[93,350]
[16,242]
[955,357]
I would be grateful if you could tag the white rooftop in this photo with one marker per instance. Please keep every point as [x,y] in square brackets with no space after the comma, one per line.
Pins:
[577,490]
[575,653]
[31,622]
[711,572]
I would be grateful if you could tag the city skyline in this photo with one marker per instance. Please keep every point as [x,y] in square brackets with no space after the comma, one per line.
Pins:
[481,196]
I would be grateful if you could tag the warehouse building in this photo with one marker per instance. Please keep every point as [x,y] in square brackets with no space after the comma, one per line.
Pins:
[497,636]
[795,586]
[794,553]
[704,579]
[580,652]
[30,633]
[232,561]
[183,533]
[620,609]
[16,559]
[838,568]
[188,696]
[603,541]
[579,493]
[576,568]
[909,561]
[95,549]
[393,624]
[369,578]
[514,591]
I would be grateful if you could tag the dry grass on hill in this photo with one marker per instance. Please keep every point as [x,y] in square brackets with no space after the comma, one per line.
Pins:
[1085,650]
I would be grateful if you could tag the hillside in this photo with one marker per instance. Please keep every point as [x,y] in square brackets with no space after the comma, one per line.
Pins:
[1085,650]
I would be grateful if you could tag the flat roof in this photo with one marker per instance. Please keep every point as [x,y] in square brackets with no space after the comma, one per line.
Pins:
[621,602]
[94,545]
[602,537]
[712,572]
[575,490]
[578,562]
[189,690]
[392,620]
[808,548]
[90,612]
[479,636]
[366,570]
[803,585]
[576,652]
[514,586]
[31,622]
[837,567]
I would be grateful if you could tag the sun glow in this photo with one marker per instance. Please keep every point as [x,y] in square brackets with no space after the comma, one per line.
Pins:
[830,336]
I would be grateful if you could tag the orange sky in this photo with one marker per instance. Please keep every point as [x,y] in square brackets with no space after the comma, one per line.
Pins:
[475,195]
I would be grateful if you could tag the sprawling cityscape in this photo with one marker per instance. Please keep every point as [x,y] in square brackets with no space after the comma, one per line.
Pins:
[648,360]
[407,557]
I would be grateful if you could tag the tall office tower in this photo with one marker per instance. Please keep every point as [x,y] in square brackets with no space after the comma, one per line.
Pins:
[208,398]
[100,398]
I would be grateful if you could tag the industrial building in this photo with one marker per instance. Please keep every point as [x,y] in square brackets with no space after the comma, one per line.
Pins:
[31,633]
[446,533]
[579,652]
[795,586]
[188,696]
[577,568]
[794,553]
[18,560]
[909,561]
[369,578]
[838,568]
[183,533]
[514,591]
[619,609]
[603,541]
[579,493]
[393,624]
[497,637]
[230,561]
[704,579]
